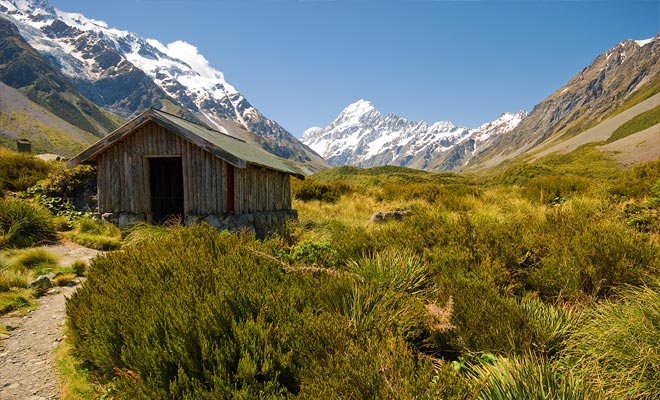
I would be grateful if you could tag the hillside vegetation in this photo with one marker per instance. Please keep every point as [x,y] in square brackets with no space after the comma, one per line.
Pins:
[538,281]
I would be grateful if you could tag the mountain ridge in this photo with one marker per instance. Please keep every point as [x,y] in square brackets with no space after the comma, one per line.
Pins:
[362,136]
[125,74]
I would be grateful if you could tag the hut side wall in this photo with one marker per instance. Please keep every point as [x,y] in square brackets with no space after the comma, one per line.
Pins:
[261,189]
[123,178]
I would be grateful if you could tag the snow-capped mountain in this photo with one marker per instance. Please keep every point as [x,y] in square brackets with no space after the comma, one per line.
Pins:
[364,137]
[125,73]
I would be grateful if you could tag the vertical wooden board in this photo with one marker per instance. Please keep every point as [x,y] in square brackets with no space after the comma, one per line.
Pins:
[193,179]
[238,177]
[191,176]
[199,185]
[144,178]
[287,193]
[208,183]
[101,181]
[216,171]
[223,187]
[184,172]
[248,190]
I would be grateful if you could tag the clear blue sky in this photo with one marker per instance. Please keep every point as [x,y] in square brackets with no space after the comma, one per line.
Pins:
[301,62]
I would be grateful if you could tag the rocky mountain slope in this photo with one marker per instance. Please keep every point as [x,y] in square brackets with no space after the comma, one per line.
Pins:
[23,68]
[124,74]
[616,80]
[364,137]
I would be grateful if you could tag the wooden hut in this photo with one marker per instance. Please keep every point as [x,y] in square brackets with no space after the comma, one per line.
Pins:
[159,165]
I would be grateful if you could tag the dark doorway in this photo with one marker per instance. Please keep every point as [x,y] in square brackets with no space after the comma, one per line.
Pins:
[166,179]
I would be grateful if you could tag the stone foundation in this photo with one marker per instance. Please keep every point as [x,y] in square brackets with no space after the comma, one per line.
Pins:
[261,223]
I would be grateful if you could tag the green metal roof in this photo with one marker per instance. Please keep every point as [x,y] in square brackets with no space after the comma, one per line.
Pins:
[233,150]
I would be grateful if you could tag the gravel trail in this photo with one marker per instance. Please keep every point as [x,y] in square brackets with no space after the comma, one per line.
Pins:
[26,355]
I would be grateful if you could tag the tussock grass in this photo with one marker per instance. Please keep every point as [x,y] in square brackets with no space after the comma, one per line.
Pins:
[13,279]
[99,235]
[24,224]
[616,344]
[16,299]
[529,377]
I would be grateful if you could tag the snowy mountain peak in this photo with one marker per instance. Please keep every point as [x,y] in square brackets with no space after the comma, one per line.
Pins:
[356,112]
[362,136]
[360,107]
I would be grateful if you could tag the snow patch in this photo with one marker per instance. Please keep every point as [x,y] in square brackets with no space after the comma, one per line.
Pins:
[642,43]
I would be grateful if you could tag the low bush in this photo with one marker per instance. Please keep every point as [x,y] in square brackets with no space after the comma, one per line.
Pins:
[20,171]
[315,253]
[15,299]
[636,182]
[79,268]
[64,182]
[64,279]
[24,224]
[10,278]
[555,189]
[210,317]
[312,190]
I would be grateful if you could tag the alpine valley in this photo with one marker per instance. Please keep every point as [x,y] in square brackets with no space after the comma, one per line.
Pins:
[67,80]
[618,91]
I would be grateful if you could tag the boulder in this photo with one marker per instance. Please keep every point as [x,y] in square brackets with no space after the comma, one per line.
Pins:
[42,282]
[395,215]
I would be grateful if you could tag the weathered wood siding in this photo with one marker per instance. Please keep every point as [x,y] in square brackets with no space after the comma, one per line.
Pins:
[123,177]
[261,189]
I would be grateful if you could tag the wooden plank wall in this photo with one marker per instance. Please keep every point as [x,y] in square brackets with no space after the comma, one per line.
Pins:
[261,189]
[123,177]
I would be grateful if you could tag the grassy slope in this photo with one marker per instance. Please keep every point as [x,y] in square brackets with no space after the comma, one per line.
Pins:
[637,124]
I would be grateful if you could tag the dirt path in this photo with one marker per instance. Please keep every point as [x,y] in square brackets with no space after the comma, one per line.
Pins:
[26,362]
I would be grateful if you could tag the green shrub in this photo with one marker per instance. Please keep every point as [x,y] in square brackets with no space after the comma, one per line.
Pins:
[64,279]
[312,190]
[65,182]
[397,271]
[23,224]
[616,344]
[638,181]
[554,189]
[550,325]
[20,171]
[198,314]
[79,267]
[141,233]
[15,299]
[315,253]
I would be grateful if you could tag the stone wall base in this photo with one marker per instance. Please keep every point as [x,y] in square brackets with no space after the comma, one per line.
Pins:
[261,223]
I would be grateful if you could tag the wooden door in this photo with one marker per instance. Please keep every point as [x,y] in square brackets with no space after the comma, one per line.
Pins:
[166,182]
